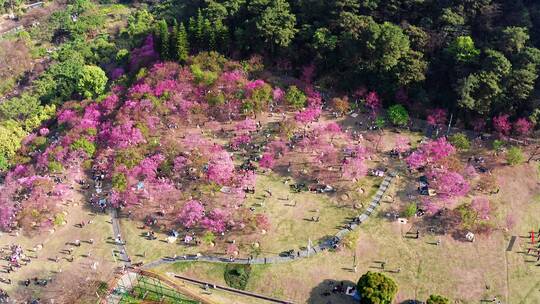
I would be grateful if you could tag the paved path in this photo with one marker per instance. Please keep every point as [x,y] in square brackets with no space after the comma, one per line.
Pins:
[116,231]
[328,244]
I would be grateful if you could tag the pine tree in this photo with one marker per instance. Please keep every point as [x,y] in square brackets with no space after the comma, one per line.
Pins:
[173,44]
[209,34]
[192,29]
[199,30]
[164,39]
[182,47]
[222,36]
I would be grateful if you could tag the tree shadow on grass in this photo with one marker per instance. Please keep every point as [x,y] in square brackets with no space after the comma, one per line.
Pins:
[323,293]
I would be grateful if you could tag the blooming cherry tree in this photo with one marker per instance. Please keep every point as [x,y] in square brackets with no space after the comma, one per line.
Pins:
[191,214]
[482,206]
[502,124]
[523,126]
[267,161]
[373,103]
[216,221]
[437,117]
[220,168]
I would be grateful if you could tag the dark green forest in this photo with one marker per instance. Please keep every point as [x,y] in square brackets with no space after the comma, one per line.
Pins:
[477,58]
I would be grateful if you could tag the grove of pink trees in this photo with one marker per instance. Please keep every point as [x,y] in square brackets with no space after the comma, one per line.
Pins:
[430,152]
[447,184]
[146,141]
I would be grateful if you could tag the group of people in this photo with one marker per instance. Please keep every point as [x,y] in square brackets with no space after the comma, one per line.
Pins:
[16,258]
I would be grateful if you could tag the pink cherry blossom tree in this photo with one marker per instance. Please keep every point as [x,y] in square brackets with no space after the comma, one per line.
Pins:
[502,125]
[373,103]
[332,127]
[278,94]
[482,206]
[267,161]
[523,126]
[354,168]
[220,168]
[430,152]
[246,125]
[308,72]
[448,184]
[310,114]
[240,140]
[437,117]
[232,250]
[216,220]
[402,144]
[191,214]
[262,221]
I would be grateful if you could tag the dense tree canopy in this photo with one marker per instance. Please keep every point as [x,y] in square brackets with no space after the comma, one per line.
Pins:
[471,59]
[376,288]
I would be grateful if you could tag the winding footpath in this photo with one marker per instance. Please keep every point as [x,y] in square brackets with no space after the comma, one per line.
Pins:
[327,244]
[115,297]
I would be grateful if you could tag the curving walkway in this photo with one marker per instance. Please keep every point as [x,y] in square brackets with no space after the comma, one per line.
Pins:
[328,244]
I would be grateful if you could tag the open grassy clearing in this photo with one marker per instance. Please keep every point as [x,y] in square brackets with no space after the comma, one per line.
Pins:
[291,222]
[466,272]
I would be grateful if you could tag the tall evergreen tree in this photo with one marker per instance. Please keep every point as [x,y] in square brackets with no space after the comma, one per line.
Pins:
[164,39]
[173,44]
[209,35]
[222,36]
[196,30]
[182,46]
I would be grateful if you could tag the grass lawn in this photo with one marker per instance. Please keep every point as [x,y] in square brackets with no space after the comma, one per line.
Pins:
[291,226]
[466,272]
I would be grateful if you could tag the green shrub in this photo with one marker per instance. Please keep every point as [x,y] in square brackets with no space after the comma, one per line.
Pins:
[92,81]
[204,77]
[437,299]
[119,182]
[55,167]
[39,143]
[460,141]
[410,210]
[296,98]
[380,122]
[84,145]
[4,163]
[215,99]
[468,216]
[398,115]
[514,156]
[237,276]
[59,219]
[122,56]
[7,85]
[260,97]
[498,145]
[209,237]
[128,157]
